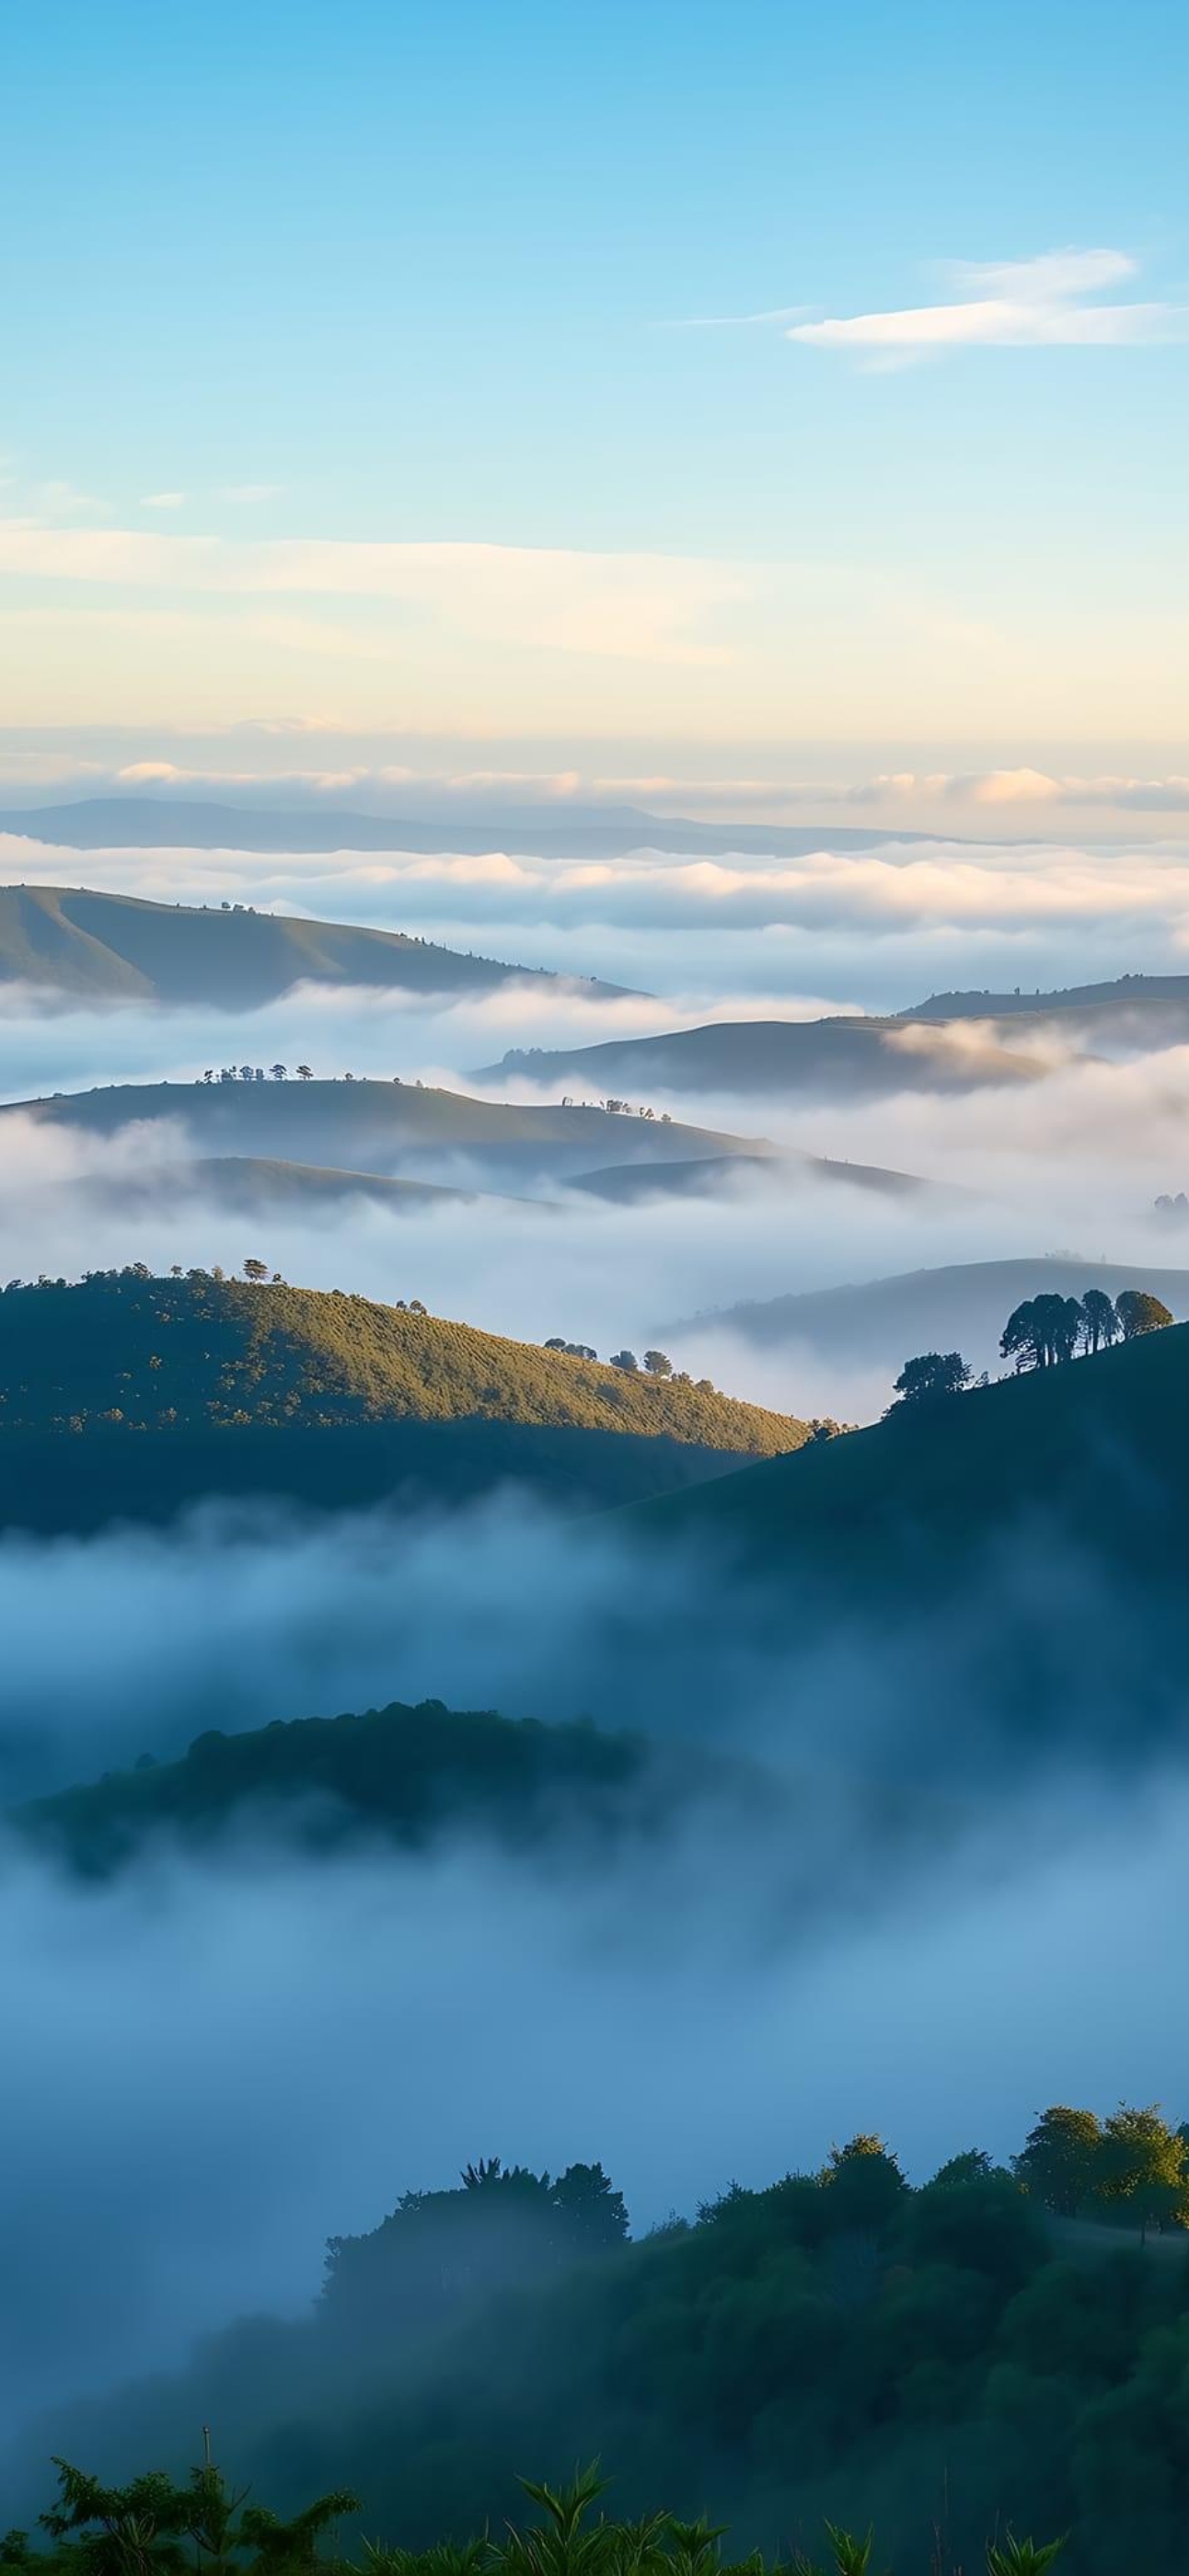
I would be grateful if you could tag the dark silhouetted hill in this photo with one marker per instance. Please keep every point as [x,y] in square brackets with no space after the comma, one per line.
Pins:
[1083,1464]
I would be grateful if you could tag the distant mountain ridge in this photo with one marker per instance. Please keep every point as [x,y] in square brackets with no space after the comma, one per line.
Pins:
[158,822]
[1125,991]
[116,947]
[959,1306]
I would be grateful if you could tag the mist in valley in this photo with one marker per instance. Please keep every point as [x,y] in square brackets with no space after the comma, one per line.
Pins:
[269,2047]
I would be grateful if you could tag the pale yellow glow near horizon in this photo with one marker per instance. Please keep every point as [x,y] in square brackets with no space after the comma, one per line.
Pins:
[112,626]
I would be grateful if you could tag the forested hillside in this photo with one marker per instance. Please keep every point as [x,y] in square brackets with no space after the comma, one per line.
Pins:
[397,1775]
[950,2360]
[162,1355]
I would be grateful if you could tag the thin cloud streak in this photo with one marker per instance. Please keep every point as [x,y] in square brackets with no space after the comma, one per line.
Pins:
[1022,304]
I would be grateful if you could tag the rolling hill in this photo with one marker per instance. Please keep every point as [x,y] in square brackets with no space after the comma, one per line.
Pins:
[132,1395]
[834,1059]
[964,1306]
[257,1186]
[385,1128]
[1121,995]
[1078,1467]
[116,947]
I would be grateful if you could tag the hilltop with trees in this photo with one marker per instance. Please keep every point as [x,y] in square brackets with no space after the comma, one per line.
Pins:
[1000,2346]
[131,1393]
[1042,1333]
[900,1512]
[871,1323]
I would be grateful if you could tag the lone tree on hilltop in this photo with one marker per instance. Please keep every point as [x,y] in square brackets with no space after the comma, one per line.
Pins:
[932,1374]
[625,1360]
[658,1364]
[1139,1312]
[256,1270]
[305,1073]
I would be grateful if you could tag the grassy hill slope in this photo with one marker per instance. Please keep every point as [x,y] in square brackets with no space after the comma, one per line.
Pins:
[258,1184]
[1123,992]
[167,1354]
[117,947]
[961,1306]
[839,1059]
[130,1396]
[383,1127]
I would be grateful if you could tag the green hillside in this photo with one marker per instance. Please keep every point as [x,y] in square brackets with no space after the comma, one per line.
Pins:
[948,2360]
[162,1356]
[117,947]
[838,1058]
[1092,1456]
[387,1128]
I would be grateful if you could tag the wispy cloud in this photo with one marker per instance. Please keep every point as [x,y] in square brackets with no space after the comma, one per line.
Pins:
[624,606]
[1018,304]
[163,500]
[739,321]
[245,493]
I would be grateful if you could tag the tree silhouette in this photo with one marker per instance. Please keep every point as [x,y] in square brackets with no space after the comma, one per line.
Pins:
[256,1270]
[932,1374]
[1101,1326]
[658,1364]
[625,1360]
[305,1073]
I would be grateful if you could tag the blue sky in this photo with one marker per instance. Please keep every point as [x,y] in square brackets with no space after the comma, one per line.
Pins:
[410,276]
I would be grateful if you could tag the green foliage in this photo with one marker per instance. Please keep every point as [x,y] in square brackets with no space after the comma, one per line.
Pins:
[170,1355]
[1139,1312]
[144,2528]
[407,1773]
[1132,2166]
[1012,2557]
[795,2353]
